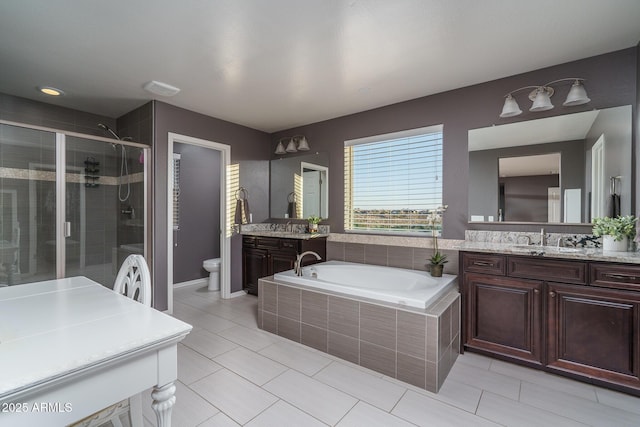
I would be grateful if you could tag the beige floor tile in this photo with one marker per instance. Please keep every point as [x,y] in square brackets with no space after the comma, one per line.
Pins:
[482,378]
[238,398]
[510,413]
[366,387]
[282,414]
[576,408]
[193,366]
[250,365]
[296,356]
[364,414]
[311,396]
[424,411]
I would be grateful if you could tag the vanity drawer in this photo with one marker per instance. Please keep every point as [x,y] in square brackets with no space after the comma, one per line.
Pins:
[289,244]
[268,242]
[552,270]
[484,263]
[615,276]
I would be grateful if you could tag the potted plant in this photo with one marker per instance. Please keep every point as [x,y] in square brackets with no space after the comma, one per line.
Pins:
[615,232]
[438,259]
[313,223]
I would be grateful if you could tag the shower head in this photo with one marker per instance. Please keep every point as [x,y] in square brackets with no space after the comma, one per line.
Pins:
[108,129]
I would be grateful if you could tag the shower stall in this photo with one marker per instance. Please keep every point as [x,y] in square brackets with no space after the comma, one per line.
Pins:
[70,204]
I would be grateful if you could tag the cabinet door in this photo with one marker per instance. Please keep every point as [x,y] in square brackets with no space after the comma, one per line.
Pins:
[282,261]
[254,266]
[504,316]
[594,332]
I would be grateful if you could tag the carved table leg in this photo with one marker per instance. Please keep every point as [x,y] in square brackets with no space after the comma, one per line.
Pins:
[163,401]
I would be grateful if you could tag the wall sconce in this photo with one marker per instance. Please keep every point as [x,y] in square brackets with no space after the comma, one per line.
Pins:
[295,143]
[541,97]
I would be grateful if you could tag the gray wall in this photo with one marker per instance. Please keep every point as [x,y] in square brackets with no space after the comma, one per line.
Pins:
[483,173]
[198,237]
[611,81]
[617,152]
[250,149]
[526,197]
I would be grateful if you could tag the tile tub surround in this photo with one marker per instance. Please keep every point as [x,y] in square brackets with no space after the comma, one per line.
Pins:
[391,251]
[416,346]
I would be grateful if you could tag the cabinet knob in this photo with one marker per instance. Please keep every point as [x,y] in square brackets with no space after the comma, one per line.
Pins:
[536,291]
[552,294]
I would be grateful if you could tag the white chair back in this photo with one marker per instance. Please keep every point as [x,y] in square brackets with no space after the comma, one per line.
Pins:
[134,280]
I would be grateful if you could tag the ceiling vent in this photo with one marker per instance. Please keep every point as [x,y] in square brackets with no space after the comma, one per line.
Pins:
[160,88]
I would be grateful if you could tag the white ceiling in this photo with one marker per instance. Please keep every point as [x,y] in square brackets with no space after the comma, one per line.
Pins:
[276,64]
[539,164]
[568,127]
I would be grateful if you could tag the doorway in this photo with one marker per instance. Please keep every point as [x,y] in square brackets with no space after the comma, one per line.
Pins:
[173,236]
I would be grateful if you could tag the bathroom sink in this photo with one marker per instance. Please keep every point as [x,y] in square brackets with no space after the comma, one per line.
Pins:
[551,249]
[563,250]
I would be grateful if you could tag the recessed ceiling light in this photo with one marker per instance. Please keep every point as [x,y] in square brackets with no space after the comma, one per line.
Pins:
[51,91]
[159,88]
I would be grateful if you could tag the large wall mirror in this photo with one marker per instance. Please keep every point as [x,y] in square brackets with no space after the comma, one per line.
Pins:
[300,186]
[561,169]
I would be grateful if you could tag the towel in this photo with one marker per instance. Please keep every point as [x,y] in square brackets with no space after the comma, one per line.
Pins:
[292,210]
[242,214]
[615,205]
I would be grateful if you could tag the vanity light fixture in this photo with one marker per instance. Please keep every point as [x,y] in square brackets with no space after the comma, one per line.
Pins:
[51,91]
[293,144]
[541,97]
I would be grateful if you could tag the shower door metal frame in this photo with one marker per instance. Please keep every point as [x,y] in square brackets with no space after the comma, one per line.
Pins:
[61,192]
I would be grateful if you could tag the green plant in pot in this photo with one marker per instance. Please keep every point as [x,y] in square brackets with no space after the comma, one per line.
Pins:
[615,232]
[313,223]
[438,259]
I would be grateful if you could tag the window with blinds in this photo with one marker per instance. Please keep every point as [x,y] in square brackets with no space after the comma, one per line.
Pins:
[176,191]
[392,181]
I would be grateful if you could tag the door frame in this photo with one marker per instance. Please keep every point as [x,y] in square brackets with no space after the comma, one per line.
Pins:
[324,174]
[225,239]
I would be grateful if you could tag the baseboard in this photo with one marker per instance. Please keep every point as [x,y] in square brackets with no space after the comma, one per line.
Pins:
[237,294]
[204,281]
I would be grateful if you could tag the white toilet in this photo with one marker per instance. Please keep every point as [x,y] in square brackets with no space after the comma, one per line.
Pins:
[213,267]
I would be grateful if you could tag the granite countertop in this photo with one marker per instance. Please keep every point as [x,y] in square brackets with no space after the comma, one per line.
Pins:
[581,254]
[283,234]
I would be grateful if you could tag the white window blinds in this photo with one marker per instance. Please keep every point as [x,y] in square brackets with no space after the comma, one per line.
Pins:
[392,181]
[176,191]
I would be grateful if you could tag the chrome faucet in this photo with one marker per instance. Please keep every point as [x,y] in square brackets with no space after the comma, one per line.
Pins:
[297,267]
[528,239]
[543,237]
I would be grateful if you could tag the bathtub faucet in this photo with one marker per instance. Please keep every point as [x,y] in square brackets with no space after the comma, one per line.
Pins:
[297,267]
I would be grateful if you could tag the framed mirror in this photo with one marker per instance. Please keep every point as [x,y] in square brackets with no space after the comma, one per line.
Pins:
[299,186]
[561,169]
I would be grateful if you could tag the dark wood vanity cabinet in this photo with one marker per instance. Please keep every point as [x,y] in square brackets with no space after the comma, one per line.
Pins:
[264,256]
[594,332]
[577,318]
[504,316]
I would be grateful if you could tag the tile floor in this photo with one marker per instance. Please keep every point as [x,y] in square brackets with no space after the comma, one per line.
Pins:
[231,373]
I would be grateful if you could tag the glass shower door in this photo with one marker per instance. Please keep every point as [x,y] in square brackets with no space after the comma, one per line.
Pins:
[104,207]
[28,201]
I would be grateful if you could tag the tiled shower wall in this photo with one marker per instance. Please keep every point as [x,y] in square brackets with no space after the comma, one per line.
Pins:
[415,346]
[391,256]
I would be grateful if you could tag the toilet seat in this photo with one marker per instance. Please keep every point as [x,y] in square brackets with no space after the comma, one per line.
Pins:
[211,264]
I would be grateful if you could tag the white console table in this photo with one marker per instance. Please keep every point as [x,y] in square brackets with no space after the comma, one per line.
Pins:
[71,347]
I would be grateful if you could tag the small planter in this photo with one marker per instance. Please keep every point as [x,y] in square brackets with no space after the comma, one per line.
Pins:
[610,245]
[313,228]
[436,270]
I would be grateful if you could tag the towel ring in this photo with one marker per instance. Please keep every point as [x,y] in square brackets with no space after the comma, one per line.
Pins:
[243,192]
[291,198]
